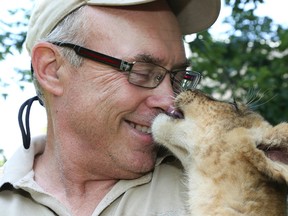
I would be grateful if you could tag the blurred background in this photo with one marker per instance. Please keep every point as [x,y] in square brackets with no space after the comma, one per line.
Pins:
[244,56]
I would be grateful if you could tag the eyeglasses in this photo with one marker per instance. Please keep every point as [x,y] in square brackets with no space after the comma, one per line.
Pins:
[143,74]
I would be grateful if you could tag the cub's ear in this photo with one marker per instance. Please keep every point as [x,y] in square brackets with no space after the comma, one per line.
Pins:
[274,143]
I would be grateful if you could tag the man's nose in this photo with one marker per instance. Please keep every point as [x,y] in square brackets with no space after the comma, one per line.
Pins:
[162,96]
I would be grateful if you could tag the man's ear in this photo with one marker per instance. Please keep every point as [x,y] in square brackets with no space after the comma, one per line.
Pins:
[46,62]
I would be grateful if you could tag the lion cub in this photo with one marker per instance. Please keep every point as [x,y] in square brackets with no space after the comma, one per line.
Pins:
[223,148]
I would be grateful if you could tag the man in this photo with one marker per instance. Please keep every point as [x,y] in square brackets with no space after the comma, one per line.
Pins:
[104,70]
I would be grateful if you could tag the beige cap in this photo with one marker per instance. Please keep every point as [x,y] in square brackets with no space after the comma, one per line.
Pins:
[193,15]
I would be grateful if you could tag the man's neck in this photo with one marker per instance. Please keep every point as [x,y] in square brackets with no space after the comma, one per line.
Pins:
[69,183]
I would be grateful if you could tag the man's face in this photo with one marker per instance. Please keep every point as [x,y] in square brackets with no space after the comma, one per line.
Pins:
[108,117]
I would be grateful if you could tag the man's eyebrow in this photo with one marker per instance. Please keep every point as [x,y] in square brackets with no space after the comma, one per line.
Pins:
[147,58]
[151,59]
[186,64]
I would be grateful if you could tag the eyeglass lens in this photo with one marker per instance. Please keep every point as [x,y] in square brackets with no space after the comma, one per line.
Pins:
[146,75]
[150,76]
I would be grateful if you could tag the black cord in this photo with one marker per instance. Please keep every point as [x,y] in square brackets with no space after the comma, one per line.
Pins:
[26,136]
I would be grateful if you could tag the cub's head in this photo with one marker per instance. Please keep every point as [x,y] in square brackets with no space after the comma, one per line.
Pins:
[202,118]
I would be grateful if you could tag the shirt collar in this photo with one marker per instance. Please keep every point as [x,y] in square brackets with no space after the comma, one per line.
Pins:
[22,161]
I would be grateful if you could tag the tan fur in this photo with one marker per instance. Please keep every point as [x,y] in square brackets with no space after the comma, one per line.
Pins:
[217,145]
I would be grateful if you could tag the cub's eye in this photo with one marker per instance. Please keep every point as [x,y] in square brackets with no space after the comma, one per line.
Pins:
[235,105]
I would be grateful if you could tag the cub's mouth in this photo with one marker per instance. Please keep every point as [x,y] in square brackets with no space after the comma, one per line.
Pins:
[175,113]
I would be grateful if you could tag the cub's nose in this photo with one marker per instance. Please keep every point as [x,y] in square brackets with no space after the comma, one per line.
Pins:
[175,113]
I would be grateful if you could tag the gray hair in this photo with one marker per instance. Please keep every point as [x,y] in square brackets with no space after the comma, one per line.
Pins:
[71,30]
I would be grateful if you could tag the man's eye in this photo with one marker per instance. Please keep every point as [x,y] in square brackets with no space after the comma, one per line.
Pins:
[158,78]
[138,77]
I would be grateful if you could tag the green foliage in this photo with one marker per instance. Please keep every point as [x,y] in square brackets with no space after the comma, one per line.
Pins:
[12,36]
[253,58]
[2,158]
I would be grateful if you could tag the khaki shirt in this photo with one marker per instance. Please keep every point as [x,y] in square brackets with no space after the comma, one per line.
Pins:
[159,193]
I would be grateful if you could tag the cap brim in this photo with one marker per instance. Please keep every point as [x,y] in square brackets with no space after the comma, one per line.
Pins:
[194,15]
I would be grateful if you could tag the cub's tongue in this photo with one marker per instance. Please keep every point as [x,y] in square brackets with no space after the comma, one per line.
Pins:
[175,113]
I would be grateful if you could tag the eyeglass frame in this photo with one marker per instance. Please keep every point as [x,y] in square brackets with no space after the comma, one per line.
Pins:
[122,65]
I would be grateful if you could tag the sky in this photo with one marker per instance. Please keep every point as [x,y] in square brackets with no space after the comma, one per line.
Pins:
[10,136]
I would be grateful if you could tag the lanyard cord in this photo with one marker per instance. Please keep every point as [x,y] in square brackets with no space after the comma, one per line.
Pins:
[26,136]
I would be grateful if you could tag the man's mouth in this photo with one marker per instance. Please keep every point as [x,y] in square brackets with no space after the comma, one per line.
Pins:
[140,128]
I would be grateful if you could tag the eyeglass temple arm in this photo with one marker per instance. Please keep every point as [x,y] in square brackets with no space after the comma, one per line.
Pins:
[95,56]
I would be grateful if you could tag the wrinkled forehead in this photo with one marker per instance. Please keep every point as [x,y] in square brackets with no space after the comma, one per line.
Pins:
[149,20]
[127,33]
